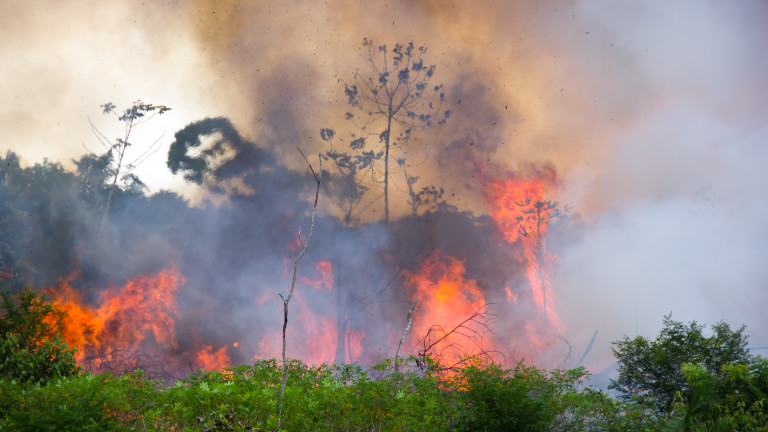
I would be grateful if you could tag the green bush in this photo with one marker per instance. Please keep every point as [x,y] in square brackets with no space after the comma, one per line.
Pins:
[650,371]
[527,398]
[31,348]
[83,402]
[323,398]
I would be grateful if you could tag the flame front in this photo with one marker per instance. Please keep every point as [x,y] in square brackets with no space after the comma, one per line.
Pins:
[134,326]
[143,311]
[446,299]
[521,213]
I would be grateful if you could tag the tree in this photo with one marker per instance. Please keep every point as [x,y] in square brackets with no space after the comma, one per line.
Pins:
[428,197]
[137,114]
[394,95]
[345,185]
[651,371]
[534,215]
[304,244]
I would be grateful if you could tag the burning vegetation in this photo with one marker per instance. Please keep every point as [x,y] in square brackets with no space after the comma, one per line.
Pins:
[171,288]
[347,309]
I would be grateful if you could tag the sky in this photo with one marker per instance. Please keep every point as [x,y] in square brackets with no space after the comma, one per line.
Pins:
[653,114]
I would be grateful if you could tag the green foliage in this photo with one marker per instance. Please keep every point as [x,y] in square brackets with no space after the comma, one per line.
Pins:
[31,348]
[527,398]
[84,402]
[651,371]
[732,403]
[317,398]
[321,398]
[500,400]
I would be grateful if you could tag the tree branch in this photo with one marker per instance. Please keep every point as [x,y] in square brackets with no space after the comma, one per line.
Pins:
[405,332]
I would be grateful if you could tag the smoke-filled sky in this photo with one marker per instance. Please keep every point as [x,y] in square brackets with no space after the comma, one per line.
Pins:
[653,113]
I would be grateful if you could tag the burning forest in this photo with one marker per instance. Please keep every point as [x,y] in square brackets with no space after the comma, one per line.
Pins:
[536,189]
[189,297]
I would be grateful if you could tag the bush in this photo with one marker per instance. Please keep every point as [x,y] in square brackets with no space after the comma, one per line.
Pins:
[31,347]
[83,402]
[650,371]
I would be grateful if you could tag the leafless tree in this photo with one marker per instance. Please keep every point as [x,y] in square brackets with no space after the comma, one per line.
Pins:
[304,244]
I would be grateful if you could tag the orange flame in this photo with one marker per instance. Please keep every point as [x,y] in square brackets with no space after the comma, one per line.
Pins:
[322,280]
[521,212]
[210,359]
[446,299]
[142,311]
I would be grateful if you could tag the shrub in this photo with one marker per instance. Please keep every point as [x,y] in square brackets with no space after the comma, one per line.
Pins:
[31,347]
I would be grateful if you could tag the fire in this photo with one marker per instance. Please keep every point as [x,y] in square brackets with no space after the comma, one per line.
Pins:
[446,299]
[141,312]
[322,280]
[312,332]
[316,333]
[521,212]
[210,358]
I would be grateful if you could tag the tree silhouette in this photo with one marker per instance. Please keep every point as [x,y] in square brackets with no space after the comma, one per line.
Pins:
[346,185]
[536,214]
[395,98]
[135,115]
[428,197]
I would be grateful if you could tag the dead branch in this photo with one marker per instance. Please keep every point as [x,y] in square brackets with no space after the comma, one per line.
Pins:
[473,329]
[405,332]
[317,175]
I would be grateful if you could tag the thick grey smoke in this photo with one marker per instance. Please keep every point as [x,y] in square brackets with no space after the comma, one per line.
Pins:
[675,208]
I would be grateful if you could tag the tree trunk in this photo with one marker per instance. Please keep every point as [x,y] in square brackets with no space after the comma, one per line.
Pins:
[341,313]
[386,163]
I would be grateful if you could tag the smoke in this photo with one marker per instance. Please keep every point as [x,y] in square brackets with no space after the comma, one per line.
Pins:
[674,207]
[652,114]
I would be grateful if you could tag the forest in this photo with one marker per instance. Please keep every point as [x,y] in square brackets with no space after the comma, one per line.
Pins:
[125,310]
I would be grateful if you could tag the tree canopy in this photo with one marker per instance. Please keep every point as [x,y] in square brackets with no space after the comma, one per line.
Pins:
[651,371]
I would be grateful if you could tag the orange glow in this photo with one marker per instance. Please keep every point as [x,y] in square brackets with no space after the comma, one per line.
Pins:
[317,337]
[312,332]
[511,297]
[322,280]
[521,212]
[354,342]
[446,298]
[210,359]
[143,311]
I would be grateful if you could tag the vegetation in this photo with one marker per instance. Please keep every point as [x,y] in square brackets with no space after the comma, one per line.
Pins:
[44,390]
[320,398]
[695,382]
[651,371]
[31,347]
[394,97]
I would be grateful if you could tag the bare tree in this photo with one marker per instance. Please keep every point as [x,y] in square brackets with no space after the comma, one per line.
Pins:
[304,244]
[396,98]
